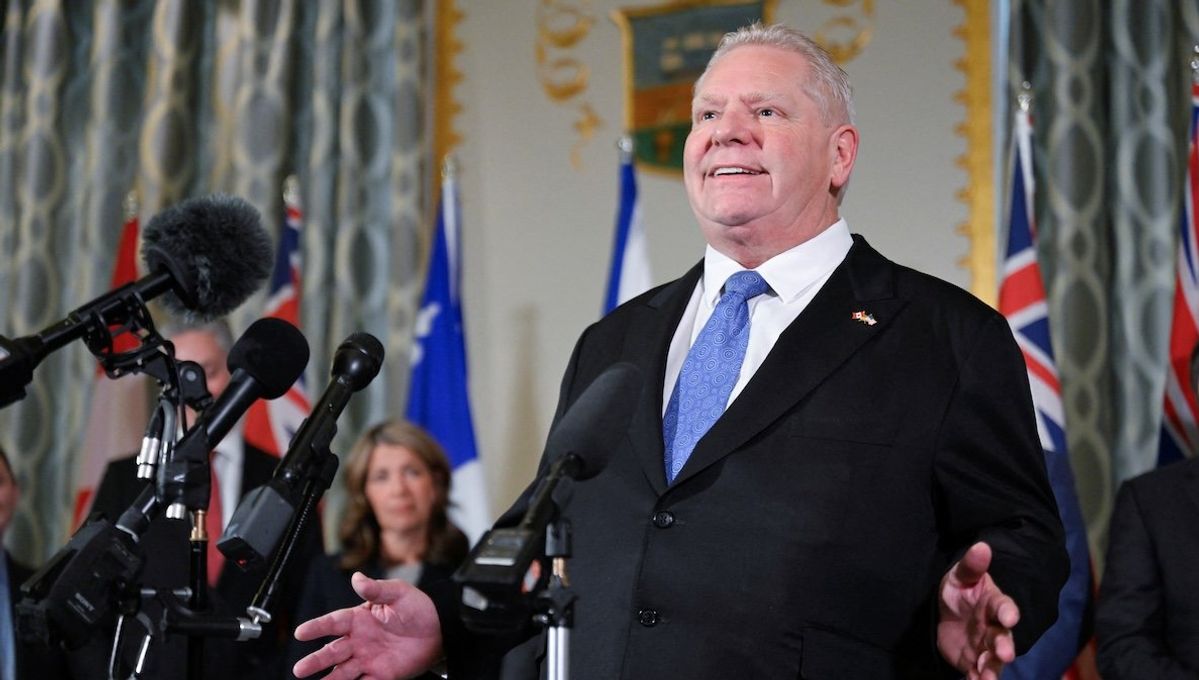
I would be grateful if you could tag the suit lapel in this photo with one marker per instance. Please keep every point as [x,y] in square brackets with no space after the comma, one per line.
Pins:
[824,336]
[655,330]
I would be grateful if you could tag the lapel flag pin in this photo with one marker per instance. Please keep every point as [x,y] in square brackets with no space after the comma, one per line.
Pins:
[865,317]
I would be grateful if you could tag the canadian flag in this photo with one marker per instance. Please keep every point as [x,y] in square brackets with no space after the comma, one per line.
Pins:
[119,408]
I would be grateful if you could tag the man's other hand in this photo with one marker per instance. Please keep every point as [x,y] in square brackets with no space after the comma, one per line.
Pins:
[395,633]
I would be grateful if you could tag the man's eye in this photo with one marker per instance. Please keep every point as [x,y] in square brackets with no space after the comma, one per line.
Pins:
[766,113]
[707,115]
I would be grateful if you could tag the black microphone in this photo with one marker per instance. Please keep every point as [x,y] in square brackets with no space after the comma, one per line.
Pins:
[263,517]
[263,363]
[579,448]
[206,254]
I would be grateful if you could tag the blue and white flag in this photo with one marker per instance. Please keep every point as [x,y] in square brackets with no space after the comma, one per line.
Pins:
[630,273]
[438,399]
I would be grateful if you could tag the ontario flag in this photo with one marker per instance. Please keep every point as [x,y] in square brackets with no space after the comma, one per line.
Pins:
[629,275]
[116,420]
[1063,651]
[270,425]
[1180,435]
[438,398]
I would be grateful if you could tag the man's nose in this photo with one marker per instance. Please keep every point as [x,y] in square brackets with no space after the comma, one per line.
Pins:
[733,128]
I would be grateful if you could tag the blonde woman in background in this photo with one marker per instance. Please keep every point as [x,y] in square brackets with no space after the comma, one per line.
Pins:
[395,523]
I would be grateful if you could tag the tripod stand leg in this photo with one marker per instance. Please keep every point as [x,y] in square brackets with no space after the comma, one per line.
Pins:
[558,652]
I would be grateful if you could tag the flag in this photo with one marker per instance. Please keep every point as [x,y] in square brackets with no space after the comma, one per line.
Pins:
[270,424]
[438,398]
[1022,300]
[1180,435]
[118,412]
[630,272]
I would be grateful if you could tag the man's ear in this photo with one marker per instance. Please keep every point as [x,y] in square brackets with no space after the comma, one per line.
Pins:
[844,148]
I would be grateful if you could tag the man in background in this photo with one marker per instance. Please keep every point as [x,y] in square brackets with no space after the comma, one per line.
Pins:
[1147,614]
[18,660]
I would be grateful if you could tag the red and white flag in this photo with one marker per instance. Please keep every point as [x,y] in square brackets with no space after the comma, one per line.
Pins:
[119,408]
[270,425]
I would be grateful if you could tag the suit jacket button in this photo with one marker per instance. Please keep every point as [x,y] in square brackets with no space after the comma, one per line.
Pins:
[647,617]
[663,519]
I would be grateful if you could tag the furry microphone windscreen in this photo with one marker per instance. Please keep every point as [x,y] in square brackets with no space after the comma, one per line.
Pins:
[215,248]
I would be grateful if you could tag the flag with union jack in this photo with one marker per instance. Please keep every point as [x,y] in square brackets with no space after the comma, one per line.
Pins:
[271,424]
[1023,301]
[1180,434]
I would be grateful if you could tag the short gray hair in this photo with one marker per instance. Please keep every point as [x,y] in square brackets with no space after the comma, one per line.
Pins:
[828,84]
[217,328]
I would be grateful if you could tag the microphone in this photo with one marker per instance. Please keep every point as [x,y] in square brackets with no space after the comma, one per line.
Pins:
[68,598]
[262,518]
[206,254]
[263,363]
[579,448]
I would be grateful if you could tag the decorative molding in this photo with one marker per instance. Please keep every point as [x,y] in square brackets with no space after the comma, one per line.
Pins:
[446,77]
[977,161]
[561,26]
[860,31]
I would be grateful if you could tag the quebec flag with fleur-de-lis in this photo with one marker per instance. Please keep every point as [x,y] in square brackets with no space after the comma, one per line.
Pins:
[438,399]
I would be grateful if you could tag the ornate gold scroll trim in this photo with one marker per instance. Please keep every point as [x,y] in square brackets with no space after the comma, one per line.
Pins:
[446,77]
[977,161]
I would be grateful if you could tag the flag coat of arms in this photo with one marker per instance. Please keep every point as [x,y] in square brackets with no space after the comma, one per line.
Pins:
[269,425]
[1023,301]
[665,49]
[438,397]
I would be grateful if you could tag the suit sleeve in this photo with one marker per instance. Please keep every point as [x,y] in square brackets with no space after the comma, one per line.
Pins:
[1131,620]
[991,483]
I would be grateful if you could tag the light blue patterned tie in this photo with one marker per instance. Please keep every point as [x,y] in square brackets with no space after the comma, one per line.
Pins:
[710,370]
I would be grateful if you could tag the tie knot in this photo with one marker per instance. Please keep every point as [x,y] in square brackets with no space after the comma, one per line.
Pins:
[746,284]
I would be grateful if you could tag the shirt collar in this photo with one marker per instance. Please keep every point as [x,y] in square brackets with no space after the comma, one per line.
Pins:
[790,272]
[230,449]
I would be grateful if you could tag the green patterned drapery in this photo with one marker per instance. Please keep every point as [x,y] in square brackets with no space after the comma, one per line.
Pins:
[1111,98]
[176,98]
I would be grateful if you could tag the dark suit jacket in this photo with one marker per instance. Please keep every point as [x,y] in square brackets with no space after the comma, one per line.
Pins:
[167,565]
[327,588]
[33,661]
[1147,616]
[807,533]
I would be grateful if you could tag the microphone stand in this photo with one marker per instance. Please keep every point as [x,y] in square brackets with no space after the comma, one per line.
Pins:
[198,602]
[318,479]
[556,602]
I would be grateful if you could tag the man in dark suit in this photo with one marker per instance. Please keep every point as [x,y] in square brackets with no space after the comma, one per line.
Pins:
[238,468]
[18,659]
[861,493]
[1147,614]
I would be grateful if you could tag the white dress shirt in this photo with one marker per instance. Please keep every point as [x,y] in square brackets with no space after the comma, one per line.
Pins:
[795,276]
[227,463]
